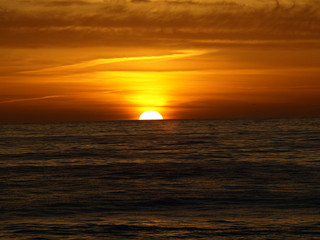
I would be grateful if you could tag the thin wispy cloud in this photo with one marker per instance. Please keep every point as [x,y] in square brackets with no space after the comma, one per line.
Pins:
[101,64]
[30,99]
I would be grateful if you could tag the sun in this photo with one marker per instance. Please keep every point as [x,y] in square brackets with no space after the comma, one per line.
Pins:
[150,115]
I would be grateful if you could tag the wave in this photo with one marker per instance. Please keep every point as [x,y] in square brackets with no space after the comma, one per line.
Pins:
[234,230]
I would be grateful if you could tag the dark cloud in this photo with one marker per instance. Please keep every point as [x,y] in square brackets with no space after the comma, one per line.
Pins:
[139,1]
[64,3]
[86,23]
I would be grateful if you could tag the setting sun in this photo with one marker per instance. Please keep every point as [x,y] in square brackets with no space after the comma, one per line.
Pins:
[150,115]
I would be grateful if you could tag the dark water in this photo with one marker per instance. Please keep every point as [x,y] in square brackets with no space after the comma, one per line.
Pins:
[175,179]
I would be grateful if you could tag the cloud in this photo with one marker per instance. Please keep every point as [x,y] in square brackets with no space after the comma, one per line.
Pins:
[166,23]
[101,64]
[30,99]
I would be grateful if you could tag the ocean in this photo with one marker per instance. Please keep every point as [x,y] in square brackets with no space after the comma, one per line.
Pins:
[167,179]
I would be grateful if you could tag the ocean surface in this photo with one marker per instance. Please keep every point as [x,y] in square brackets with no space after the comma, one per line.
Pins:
[170,179]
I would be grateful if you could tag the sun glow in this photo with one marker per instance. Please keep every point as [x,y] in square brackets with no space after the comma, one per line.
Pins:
[150,115]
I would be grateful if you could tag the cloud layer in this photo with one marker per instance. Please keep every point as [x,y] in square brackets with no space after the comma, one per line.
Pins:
[37,23]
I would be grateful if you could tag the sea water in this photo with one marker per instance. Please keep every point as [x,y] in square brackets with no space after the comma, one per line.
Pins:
[170,179]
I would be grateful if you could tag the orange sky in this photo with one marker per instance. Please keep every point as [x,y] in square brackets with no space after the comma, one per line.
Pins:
[79,60]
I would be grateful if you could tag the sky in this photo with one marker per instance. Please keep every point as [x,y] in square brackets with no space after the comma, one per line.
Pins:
[83,60]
